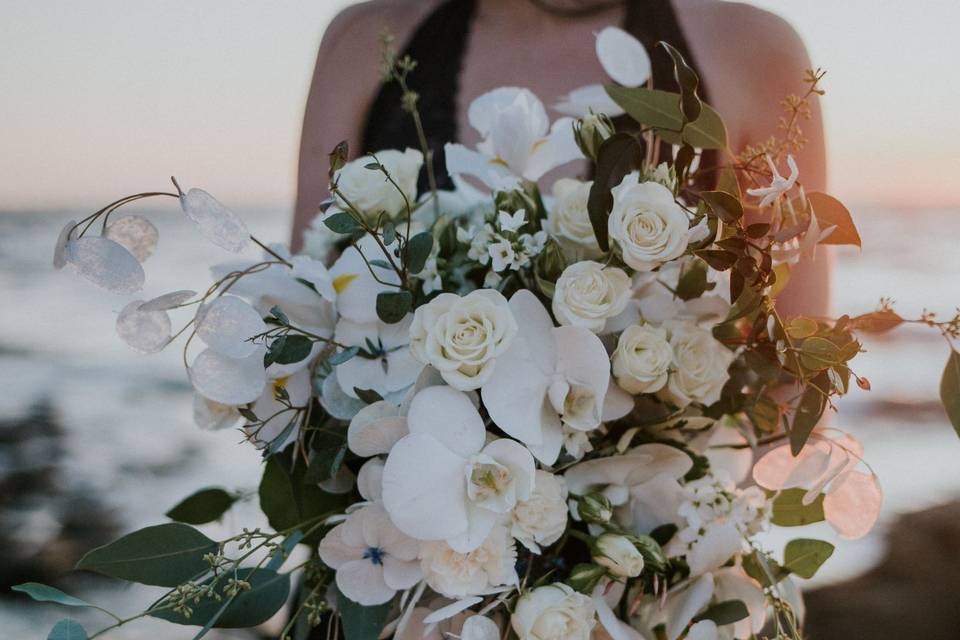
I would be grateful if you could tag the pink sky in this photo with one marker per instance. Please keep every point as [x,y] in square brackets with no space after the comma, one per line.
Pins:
[107,97]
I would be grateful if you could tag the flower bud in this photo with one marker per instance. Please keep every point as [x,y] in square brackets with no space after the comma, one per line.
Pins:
[663,174]
[595,508]
[590,131]
[584,577]
[619,555]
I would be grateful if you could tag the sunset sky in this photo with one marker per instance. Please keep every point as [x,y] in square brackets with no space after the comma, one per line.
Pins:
[106,97]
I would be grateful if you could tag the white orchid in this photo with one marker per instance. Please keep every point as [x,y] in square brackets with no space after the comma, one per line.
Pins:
[624,59]
[283,388]
[779,185]
[385,364]
[616,476]
[548,378]
[372,558]
[518,142]
[471,484]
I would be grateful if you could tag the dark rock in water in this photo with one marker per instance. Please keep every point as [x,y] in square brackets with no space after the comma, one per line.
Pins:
[46,524]
[912,593]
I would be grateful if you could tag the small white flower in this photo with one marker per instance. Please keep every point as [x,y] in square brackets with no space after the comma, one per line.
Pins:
[502,255]
[587,294]
[542,518]
[618,555]
[471,484]
[372,558]
[568,220]
[554,612]
[385,363]
[642,359]
[371,192]
[648,226]
[533,244]
[511,222]
[478,238]
[700,365]
[778,184]
[456,574]
[463,337]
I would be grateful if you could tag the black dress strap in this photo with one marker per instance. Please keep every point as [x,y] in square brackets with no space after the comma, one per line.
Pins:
[438,47]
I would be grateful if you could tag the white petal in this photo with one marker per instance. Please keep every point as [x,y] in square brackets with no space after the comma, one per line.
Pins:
[662,459]
[615,628]
[356,288]
[558,148]
[703,630]
[623,57]
[463,161]
[687,604]
[733,584]
[448,416]
[485,110]
[232,381]
[535,327]
[168,300]
[551,431]
[780,469]
[375,429]
[362,581]
[401,574]
[217,224]
[852,504]
[339,546]
[479,628]
[617,403]
[583,359]
[452,609]
[361,373]
[105,263]
[316,273]
[424,488]
[590,98]
[336,402]
[208,414]
[714,548]
[370,480]
[480,522]
[227,325]
[60,250]
[135,233]
[518,460]
[735,462]
[146,331]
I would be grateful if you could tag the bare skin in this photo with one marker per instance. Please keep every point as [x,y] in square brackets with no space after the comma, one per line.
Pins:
[749,59]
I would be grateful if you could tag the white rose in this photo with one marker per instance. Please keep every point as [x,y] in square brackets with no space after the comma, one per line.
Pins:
[541,519]
[371,192]
[568,220]
[462,337]
[700,365]
[587,294]
[647,224]
[642,359]
[620,557]
[554,612]
[458,575]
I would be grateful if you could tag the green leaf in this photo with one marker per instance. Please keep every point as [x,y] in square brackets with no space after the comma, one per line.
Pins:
[619,154]
[418,251]
[359,622]
[293,348]
[804,556]
[367,395]
[688,81]
[289,501]
[693,281]
[206,505]
[727,181]
[800,327]
[818,353]
[753,566]
[44,593]
[341,222]
[389,233]
[393,306]
[950,389]
[747,302]
[789,510]
[808,413]
[830,212]
[343,356]
[718,259]
[876,322]
[164,555]
[329,450]
[726,612]
[724,206]
[661,110]
[67,629]
[267,594]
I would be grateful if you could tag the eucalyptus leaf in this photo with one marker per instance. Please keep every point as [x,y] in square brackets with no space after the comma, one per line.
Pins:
[164,555]
[359,622]
[688,81]
[418,251]
[811,407]
[341,222]
[293,348]
[661,110]
[789,510]
[67,629]
[725,206]
[818,353]
[950,389]
[393,306]
[44,593]
[343,355]
[206,505]
[725,612]
[804,556]
[250,607]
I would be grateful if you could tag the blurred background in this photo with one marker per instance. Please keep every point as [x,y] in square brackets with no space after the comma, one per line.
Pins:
[106,97]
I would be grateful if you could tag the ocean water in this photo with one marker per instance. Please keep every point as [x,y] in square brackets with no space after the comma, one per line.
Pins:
[130,442]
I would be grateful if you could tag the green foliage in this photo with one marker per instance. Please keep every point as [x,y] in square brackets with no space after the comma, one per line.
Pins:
[342,222]
[392,306]
[726,612]
[830,212]
[804,556]
[418,251]
[763,569]
[653,556]
[950,389]
[619,154]
[288,349]
[44,593]
[206,505]
[661,110]
[329,448]
[693,281]
[342,356]
[876,321]
[725,206]
[359,622]
[811,407]
[688,81]
[367,395]
[67,629]
[164,555]
[288,500]
[584,577]
[249,607]
[338,157]
[789,510]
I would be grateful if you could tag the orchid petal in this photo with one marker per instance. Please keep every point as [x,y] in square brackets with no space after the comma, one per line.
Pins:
[584,360]
[479,628]
[557,149]
[370,480]
[135,233]
[852,505]
[685,605]
[448,416]
[375,429]
[616,404]
[480,522]
[228,324]
[216,223]
[515,457]
[146,331]
[231,381]
[463,161]
[551,430]
[615,628]
[452,609]
[734,462]
[105,263]
[623,57]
